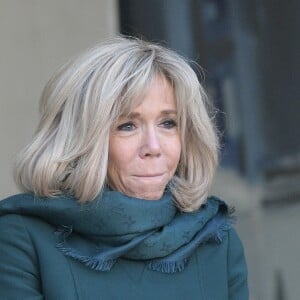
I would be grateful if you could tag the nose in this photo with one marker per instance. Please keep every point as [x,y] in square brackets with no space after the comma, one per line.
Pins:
[150,144]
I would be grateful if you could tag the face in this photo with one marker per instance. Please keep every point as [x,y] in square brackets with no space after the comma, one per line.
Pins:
[144,146]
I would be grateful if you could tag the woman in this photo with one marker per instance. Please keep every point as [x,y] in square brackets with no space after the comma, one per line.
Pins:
[117,180]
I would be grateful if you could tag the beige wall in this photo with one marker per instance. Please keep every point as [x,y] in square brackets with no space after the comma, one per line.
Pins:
[37,36]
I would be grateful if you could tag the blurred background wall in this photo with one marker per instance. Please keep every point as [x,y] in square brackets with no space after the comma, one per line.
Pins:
[249,51]
[36,37]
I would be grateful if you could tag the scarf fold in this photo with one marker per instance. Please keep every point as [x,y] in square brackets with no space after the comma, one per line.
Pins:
[116,226]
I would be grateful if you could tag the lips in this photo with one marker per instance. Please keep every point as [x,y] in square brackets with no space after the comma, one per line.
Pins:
[151,178]
[150,175]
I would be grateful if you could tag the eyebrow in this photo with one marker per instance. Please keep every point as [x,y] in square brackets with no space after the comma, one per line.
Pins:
[134,115]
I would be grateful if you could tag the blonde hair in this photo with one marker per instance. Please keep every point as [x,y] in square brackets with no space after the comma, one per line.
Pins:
[69,152]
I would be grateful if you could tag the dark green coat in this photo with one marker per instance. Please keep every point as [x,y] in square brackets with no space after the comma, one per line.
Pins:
[201,247]
[31,267]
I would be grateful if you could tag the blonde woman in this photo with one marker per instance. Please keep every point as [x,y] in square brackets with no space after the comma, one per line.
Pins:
[116,183]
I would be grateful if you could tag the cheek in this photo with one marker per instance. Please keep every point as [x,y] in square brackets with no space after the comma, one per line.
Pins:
[174,153]
[115,163]
[119,155]
[115,166]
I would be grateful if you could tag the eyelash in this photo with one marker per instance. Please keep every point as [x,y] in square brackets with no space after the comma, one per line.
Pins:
[124,127]
[129,126]
[169,124]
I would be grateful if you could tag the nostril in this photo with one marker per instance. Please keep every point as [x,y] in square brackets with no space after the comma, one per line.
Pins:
[151,145]
[150,151]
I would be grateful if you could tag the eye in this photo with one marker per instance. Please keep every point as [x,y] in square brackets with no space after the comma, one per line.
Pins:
[129,126]
[168,124]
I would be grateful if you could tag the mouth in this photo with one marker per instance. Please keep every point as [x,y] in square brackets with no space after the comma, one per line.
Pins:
[150,178]
[150,175]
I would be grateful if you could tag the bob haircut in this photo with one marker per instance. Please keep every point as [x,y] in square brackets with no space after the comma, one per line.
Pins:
[83,100]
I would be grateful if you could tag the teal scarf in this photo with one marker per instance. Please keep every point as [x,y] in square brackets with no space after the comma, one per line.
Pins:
[97,233]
